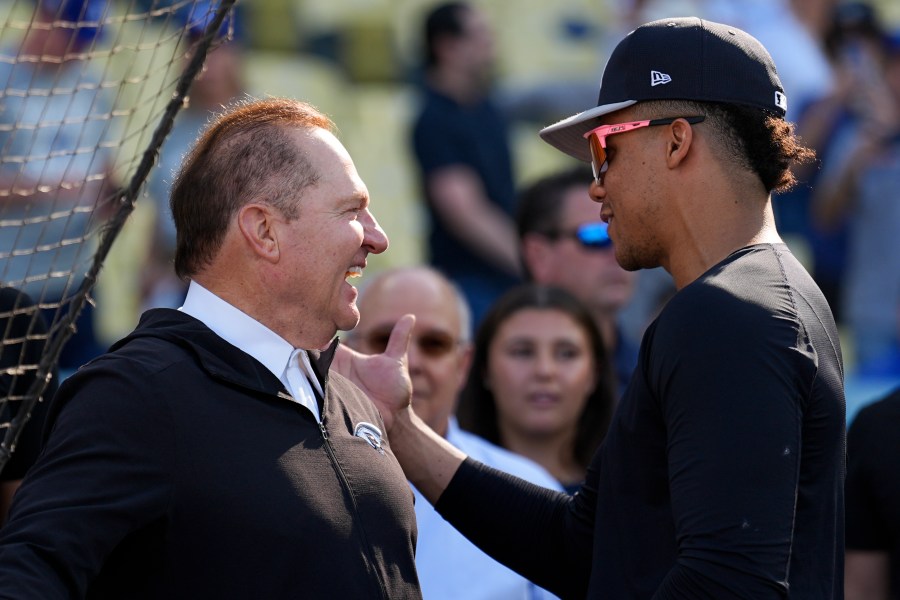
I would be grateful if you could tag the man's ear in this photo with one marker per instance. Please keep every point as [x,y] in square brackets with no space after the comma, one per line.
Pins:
[536,255]
[681,136]
[256,223]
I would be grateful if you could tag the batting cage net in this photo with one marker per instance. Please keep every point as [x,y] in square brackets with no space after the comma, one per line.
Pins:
[90,89]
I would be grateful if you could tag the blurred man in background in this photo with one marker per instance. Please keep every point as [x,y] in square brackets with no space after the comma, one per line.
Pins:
[856,197]
[460,143]
[449,565]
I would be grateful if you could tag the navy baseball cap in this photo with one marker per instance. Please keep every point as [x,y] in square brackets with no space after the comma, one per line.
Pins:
[683,58]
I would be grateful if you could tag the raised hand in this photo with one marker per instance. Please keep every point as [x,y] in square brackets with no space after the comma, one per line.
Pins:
[383,377]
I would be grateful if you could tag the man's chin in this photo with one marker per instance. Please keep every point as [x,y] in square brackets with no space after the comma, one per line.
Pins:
[348,319]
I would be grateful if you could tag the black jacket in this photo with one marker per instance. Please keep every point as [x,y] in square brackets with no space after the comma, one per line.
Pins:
[176,468]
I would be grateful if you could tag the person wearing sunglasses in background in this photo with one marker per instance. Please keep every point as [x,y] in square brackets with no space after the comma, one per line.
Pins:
[722,474]
[440,352]
[565,243]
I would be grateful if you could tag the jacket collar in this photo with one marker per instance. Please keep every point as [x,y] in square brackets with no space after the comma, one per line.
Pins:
[216,356]
[321,360]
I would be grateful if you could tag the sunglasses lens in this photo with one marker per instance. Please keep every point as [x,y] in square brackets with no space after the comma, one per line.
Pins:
[435,345]
[594,235]
[378,341]
[598,156]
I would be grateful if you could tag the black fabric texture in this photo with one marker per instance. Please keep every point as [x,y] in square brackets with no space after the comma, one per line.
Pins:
[722,475]
[175,467]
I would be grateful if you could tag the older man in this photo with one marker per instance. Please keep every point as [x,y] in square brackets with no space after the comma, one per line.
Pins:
[439,357]
[211,453]
[722,475]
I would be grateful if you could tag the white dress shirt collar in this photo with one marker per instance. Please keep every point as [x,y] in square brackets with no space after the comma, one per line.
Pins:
[238,328]
[243,331]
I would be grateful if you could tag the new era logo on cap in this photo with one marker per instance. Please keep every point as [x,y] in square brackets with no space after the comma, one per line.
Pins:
[658,78]
[780,100]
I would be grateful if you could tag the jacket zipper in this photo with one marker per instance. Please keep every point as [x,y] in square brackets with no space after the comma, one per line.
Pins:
[368,548]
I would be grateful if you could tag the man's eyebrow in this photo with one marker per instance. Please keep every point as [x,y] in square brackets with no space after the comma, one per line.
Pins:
[357,199]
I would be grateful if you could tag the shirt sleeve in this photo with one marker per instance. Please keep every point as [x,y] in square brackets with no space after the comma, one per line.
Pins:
[731,391]
[435,145]
[544,535]
[104,474]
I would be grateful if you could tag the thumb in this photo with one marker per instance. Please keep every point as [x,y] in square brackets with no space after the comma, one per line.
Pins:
[398,344]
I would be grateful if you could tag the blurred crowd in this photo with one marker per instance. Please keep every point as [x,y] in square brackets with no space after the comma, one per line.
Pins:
[494,238]
[529,66]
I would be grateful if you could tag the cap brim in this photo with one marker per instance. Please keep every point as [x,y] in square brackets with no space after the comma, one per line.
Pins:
[568,135]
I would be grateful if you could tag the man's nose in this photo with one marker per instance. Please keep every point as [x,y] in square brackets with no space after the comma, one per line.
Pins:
[375,240]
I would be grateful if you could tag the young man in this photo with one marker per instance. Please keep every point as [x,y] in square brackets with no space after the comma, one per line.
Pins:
[722,474]
[211,453]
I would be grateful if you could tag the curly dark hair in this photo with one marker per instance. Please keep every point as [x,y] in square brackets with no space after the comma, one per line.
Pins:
[752,138]
[477,410]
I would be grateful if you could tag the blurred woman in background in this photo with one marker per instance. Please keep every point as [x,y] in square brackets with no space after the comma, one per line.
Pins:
[541,384]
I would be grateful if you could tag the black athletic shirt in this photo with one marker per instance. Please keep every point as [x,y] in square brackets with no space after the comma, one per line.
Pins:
[722,475]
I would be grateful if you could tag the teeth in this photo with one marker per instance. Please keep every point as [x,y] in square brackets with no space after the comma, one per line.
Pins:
[354,272]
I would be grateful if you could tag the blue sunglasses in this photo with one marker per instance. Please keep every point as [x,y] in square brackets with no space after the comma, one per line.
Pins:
[593,236]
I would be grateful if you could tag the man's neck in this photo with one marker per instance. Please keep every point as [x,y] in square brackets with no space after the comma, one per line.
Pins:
[729,226]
